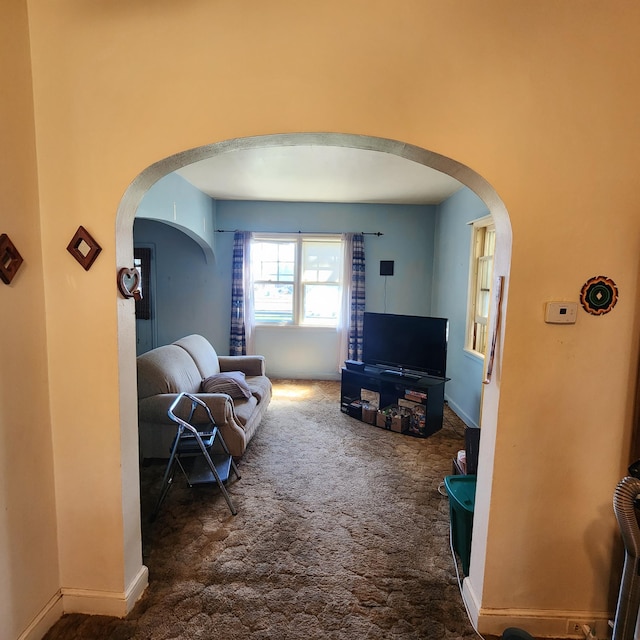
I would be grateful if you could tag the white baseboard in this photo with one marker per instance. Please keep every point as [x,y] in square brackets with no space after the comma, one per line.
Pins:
[86,601]
[539,623]
[46,618]
[460,413]
[105,603]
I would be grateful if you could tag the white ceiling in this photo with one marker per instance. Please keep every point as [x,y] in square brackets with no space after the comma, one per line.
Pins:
[317,173]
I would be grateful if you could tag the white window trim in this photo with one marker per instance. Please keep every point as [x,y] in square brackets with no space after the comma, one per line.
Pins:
[298,298]
[484,222]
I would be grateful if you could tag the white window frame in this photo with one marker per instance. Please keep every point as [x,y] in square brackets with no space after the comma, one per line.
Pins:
[476,257]
[298,284]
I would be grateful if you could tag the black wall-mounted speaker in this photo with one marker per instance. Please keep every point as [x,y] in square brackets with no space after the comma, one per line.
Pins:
[386,267]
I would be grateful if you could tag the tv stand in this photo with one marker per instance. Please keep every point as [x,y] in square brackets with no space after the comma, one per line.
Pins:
[392,384]
[401,374]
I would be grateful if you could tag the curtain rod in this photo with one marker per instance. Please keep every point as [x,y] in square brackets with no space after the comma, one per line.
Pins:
[364,233]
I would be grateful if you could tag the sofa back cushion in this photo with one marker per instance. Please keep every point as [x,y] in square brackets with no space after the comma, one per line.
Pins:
[168,369]
[203,354]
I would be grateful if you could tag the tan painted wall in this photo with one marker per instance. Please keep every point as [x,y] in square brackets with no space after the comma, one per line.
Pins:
[29,577]
[541,98]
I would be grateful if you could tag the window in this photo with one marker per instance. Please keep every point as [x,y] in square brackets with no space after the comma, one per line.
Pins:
[297,279]
[483,244]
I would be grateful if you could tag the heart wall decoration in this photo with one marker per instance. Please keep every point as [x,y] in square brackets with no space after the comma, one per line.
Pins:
[129,283]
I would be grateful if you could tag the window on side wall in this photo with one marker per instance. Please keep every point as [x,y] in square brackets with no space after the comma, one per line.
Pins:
[297,279]
[483,242]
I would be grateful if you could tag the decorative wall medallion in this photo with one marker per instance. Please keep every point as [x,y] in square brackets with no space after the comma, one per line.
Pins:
[84,248]
[129,283]
[10,259]
[599,295]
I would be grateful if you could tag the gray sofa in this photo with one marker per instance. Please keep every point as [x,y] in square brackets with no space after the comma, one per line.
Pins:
[190,365]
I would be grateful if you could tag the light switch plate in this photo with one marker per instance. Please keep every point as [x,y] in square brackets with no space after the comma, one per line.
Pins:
[561,312]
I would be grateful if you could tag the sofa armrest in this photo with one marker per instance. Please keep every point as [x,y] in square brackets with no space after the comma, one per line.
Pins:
[155,408]
[250,365]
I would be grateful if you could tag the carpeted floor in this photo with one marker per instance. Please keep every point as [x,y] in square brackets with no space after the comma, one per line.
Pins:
[341,533]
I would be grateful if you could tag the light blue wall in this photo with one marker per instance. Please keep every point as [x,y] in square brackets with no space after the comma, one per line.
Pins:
[408,240]
[430,247]
[187,291]
[193,295]
[450,292]
[177,203]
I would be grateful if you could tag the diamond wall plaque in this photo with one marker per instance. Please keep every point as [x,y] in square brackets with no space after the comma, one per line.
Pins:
[10,259]
[84,248]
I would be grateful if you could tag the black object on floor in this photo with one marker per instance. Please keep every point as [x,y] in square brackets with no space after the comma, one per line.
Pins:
[513,633]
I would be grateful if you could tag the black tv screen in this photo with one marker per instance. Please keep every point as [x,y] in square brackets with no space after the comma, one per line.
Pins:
[414,343]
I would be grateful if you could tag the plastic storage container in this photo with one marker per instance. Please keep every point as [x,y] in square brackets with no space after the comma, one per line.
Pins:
[462,498]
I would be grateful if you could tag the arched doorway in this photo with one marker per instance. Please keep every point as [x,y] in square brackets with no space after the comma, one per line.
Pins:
[465,175]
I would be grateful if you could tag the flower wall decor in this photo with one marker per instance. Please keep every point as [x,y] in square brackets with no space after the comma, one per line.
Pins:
[599,295]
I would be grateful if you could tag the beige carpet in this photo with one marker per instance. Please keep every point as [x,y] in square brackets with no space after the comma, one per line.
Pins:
[341,533]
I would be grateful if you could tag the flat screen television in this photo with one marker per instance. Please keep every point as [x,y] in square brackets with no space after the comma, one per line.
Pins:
[412,343]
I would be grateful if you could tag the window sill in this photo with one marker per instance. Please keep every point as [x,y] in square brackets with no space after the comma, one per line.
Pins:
[313,327]
[474,355]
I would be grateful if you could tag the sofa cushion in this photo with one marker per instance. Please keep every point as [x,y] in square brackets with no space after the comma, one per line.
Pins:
[253,365]
[244,409]
[232,383]
[203,354]
[260,387]
[167,369]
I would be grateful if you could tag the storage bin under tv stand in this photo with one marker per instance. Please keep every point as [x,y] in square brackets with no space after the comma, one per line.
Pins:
[391,387]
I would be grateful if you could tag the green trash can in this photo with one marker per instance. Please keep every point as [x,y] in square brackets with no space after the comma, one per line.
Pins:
[462,498]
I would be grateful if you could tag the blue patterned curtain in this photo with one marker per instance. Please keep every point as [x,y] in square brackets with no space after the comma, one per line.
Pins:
[356,304]
[241,296]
